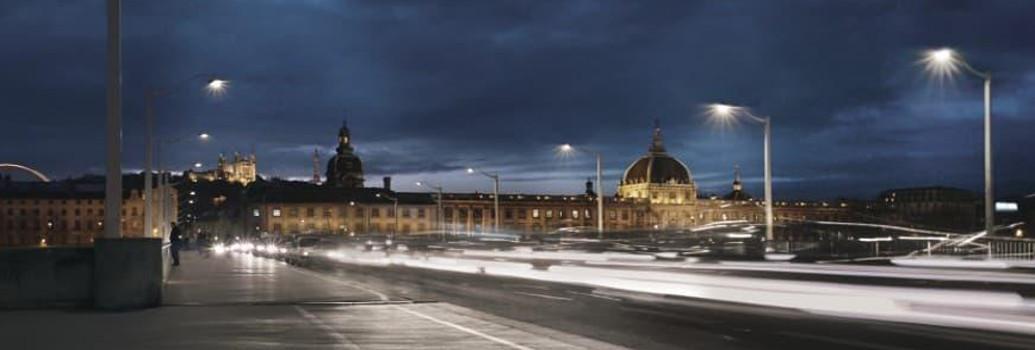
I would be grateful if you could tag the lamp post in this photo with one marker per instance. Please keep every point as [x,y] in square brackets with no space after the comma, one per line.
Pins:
[438,212]
[163,209]
[113,124]
[495,195]
[213,86]
[945,63]
[568,148]
[728,112]
[395,212]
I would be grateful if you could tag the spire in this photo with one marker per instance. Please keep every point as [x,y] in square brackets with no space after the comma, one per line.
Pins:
[589,188]
[736,178]
[316,166]
[656,145]
[344,138]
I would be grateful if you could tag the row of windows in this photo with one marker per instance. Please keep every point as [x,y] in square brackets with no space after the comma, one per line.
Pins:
[343,212]
[51,201]
[328,228]
[50,212]
[59,225]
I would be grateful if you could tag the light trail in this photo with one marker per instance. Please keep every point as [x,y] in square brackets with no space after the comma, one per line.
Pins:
[942,307]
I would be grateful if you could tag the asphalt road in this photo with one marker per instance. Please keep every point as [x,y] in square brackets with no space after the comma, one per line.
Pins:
[645,321]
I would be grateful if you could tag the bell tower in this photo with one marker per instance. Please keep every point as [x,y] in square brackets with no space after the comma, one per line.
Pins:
[345,169]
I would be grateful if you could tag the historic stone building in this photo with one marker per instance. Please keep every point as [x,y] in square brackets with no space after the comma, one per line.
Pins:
[242,170]
[69,212]
[345,168]
[941,208]
[663,185]
[656,191]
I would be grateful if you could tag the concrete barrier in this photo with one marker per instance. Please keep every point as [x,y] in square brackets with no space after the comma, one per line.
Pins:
[128,273]
[46,277]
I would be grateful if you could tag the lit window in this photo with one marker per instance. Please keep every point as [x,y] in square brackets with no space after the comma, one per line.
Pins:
[276,212]
[255,212]
[535,213]
[575,214]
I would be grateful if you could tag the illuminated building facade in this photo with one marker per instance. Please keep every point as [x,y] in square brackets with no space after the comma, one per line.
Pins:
[656,192]
[69,212]
[242,170]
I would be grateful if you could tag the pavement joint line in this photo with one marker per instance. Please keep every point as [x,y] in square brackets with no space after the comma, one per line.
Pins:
[345,342]
[380,295]
[300,302]
[497,340]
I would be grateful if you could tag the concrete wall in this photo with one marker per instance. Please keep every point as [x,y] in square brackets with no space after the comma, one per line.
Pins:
[42,277]
[128,273]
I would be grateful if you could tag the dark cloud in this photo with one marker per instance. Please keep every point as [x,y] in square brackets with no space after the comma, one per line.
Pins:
[432,87]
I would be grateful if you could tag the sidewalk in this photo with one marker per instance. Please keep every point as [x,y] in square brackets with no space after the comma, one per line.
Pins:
[245,302]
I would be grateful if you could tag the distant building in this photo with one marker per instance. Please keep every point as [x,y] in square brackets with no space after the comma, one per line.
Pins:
[737,193]
[345,169]
[656,192]
[69,212]
[242,170]
[282,208]
[935,207]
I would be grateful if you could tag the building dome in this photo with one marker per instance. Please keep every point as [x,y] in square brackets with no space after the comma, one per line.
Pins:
[657,167]
[345,169]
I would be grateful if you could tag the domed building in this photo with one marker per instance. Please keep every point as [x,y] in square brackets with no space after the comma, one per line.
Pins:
[658,178]
[345,169]
[662,184]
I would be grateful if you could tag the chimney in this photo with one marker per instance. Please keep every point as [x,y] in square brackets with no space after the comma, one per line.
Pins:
[388,183]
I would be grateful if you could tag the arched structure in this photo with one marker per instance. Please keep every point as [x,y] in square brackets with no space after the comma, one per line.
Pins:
[29,170]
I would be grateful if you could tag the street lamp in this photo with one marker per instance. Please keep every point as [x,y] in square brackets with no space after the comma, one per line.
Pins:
[495,195]
[727,113]
[944,63]
[438,213]
[214,86]
[568,149]
[395,212]
[163,209]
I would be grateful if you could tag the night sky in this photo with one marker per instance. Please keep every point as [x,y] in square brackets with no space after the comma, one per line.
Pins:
[430,88]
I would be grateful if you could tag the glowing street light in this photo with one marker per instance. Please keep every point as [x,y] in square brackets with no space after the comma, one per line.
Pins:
[215,87]
[727,113]
[943,64]
[438,214]
[495,195]
[567,149]
[163,181]
[395,212]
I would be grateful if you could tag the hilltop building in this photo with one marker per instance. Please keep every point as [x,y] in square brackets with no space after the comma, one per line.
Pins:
[242,170]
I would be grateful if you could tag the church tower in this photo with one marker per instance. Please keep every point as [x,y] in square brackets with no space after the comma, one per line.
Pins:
[345,169]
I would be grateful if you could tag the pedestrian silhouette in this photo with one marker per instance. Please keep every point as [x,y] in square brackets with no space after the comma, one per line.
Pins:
[174,247]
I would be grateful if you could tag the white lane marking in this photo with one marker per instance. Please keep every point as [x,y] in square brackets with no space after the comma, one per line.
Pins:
[464,329]
[380,295]
[595,296]
[342,339]
[544,296]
